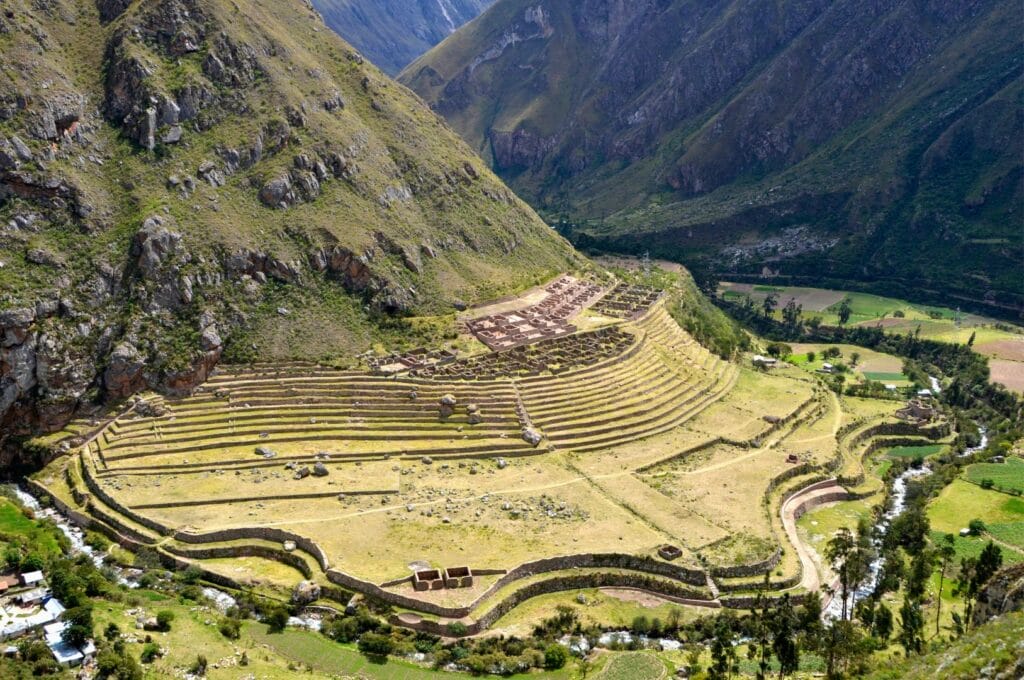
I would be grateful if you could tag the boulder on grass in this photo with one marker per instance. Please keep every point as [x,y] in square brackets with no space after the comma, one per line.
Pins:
[305,592]
[302,472]
[531,436]
[320,470]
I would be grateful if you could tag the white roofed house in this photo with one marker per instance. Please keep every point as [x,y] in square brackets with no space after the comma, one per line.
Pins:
[31,578]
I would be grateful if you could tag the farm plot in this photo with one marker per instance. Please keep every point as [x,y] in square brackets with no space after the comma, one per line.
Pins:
[1008,476]
[961,502]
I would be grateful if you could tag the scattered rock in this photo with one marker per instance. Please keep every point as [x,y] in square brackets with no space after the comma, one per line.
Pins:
[320,470]
[531,436]
[305,592]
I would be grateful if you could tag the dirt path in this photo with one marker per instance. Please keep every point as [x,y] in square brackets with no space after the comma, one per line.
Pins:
[810,578]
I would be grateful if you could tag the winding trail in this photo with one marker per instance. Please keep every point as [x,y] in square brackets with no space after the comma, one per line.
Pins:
[816,495]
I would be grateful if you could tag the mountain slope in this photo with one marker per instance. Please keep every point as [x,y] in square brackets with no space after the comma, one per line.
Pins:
[839,141]
[186,179]
[392,33]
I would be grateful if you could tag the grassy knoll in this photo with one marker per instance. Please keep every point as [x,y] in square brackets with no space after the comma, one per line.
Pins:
[634,666]
[1005,476]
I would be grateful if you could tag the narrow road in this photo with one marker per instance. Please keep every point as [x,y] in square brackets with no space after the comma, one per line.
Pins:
[810,578]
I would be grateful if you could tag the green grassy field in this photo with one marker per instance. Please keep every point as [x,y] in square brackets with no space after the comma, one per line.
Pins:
[893,314]
[918,452]
[1008,475]
[1008,532]
[312,650]
[881,376]
[15,526]
[961,502]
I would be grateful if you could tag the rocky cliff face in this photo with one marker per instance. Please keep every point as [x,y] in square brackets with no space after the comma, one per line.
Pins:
[185,178]
[1004,593]
[880,131]
[391,33]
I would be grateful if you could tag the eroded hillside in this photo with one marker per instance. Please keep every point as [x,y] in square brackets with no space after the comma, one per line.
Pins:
[180,179]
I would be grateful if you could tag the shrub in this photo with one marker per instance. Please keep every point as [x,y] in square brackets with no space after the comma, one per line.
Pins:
[276,619]
[230,628]
[976,527]
[163,619]
[457,629]
[555,656]
[199,666]
[374,644]
[987,483]
[150,652]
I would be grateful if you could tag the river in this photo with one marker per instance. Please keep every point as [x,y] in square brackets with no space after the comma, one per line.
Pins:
[899,504]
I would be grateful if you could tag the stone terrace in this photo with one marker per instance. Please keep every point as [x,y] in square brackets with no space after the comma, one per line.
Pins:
[545,320]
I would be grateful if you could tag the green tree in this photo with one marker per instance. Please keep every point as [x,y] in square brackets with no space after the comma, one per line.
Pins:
[792,312]
[844,649]
[844,311]
[854,358]
[784,640]
[970,340]
[849,555]
[946,553]
[881,625]
[724,661]
[911,635]
[768,305]
[79,626]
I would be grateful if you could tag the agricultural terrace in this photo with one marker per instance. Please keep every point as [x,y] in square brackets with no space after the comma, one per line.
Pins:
[564,462]
[1002,343]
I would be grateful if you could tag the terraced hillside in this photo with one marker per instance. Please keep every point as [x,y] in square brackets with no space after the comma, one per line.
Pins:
[540,468]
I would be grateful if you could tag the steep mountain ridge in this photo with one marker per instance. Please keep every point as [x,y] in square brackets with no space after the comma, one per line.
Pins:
[392,33]
[186,179]
[844,141]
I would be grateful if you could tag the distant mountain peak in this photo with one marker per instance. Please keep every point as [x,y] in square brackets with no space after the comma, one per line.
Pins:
[392,33]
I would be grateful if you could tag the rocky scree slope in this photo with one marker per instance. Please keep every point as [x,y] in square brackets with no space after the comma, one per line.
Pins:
[392,33]
[846,140]
[185,179]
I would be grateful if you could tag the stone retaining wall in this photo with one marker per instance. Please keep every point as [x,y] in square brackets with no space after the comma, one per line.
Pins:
[752,569]
[645,565]
[266,552]
[109,500]
[264,533]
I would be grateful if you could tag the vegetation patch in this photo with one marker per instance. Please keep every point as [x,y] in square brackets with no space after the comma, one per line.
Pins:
[1008,476]
[634,666]
[915,452]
